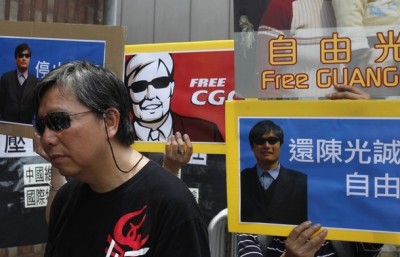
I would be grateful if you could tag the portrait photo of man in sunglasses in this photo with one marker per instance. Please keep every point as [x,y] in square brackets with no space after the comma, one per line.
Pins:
[150,79]
[16,88]
[270,192]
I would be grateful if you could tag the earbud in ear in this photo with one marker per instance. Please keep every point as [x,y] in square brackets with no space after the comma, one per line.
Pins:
[104,115]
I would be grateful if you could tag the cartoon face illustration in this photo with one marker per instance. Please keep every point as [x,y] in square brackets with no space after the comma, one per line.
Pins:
[151,86]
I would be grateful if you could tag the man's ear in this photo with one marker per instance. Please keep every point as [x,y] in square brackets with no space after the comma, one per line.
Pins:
[111,119]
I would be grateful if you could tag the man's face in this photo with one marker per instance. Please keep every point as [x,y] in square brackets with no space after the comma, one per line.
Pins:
[23,60]
[267,150]
[151,91]
[65,148]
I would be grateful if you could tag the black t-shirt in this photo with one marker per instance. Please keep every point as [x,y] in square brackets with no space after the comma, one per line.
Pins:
[152,214]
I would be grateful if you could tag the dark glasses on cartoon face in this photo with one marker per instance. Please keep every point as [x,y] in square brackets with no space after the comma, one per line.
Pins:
[270,140]
[141,85]
[56,121]
[24,55]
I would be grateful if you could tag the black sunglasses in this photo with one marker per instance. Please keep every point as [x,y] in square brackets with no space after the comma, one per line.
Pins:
[24,55]
[270,140]
[56,121]
[141,85]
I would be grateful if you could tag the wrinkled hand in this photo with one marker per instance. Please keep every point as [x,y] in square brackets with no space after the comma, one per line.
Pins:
[304,240]
[348,92]
[178,151]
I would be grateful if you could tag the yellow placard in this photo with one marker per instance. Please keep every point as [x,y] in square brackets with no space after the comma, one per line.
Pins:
[180,47]
[159,147]
[342,109]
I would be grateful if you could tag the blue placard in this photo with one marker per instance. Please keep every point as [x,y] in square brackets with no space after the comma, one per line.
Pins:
[352,166]
[48,54]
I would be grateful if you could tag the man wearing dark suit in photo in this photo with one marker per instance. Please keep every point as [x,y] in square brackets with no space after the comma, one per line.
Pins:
[16,89]
[150,78]
[271,193]
[19,225]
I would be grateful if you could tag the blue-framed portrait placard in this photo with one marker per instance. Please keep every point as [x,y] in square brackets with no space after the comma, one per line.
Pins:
[350,151]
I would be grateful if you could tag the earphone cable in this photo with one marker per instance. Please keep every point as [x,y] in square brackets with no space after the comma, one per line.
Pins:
[112,153]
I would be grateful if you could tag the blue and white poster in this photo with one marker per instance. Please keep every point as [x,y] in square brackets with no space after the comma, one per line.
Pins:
[48,54]
[350,153]
[351,161]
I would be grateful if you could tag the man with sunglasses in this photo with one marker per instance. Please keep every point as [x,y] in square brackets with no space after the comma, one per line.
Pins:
[118,201]
[150,79]
[16,89]
[271,193]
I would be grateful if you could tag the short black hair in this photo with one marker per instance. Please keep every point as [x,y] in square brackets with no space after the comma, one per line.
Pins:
[20,48]
[262,127]
[95,87]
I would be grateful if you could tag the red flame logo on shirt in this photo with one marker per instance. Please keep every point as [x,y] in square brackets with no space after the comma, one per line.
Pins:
[131,237]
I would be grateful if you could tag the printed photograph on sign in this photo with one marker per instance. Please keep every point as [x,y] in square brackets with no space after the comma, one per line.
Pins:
[25,60]
[360,165]
[270,192]
[330,162]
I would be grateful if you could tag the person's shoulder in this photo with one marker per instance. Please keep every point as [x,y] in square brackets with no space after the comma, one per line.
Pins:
[193,120]
[155,169]
[9,73]
[281,3]
[293,172]
[248,174]
[166,187]
[277,15]
[159,176]
[198,128]
[248,170]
